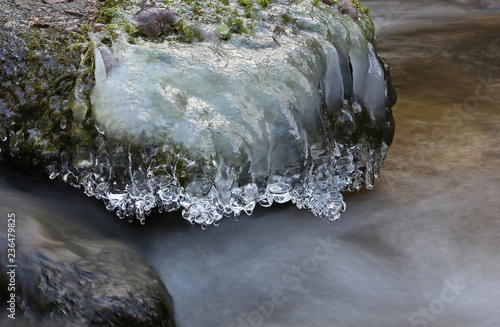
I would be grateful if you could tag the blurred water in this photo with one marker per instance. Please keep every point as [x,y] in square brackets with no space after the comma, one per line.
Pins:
[420,249]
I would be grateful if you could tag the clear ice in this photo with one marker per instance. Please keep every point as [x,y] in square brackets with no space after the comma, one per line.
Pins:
[298,114]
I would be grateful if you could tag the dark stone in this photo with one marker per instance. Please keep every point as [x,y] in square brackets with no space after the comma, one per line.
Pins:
[351,12]
[346,7]
[345,4]
[152,21]
[65,275]
[211,37]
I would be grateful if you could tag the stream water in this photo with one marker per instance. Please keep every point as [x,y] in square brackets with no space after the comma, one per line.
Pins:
[420,249]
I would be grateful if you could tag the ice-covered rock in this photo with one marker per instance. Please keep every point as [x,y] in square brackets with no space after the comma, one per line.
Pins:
[208,107]
[298,112]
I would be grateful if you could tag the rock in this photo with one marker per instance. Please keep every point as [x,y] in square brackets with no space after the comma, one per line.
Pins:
[65,275]
[346,7]
[303,92]
[248,116]
[43,79]
[345,4]
[153,20]
[63,15]
[351,12]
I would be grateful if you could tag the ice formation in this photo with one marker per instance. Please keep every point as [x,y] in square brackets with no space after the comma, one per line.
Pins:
[291,112]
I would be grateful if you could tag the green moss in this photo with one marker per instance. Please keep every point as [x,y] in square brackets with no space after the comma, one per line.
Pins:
[245,3]
[263,3]
[116,15]
[47,67]
[364,20]
[196,7]
[191,32]
[239,27]
[108,9]
[224,31]
[287,17]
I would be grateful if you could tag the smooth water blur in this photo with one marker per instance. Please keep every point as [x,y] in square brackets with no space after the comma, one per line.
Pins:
[420,249]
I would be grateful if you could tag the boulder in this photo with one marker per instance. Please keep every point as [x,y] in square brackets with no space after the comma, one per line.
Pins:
[64,275]
[208,107]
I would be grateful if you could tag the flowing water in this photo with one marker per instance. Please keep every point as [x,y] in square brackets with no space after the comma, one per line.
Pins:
[420,249]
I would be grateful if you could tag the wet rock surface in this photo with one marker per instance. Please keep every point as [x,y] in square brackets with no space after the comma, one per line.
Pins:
[153,20]
[65,275]
[43,77]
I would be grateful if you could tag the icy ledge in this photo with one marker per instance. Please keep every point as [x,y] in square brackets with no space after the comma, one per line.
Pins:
[295,112]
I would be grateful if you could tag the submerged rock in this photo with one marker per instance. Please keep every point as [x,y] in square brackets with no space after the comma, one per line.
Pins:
[64,276]
[281,102]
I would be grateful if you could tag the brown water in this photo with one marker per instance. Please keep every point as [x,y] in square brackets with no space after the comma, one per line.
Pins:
[420,249]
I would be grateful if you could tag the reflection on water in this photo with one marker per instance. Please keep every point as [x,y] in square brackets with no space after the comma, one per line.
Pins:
[421,249]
